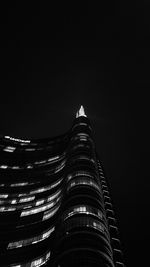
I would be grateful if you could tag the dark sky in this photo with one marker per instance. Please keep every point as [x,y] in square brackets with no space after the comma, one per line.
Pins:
[56,57]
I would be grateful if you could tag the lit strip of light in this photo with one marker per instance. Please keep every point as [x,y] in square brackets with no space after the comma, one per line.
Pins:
[16,139]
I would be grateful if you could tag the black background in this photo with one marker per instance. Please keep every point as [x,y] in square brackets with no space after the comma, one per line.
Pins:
[55,57]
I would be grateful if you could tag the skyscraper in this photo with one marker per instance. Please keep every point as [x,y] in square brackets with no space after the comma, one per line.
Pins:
[55,206]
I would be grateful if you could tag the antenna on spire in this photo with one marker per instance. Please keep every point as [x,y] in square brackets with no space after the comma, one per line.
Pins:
[81,112]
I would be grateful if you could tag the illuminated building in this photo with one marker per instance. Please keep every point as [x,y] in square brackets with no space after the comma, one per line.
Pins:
[55,207]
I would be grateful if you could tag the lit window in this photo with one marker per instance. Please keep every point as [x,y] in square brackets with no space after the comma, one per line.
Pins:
[48,214]
[39,202]
[79,173]
[7,209]
[53,158]
[3,195]
[29,166]
[50,198]
[9,149]
[56,183]
[98,226]
[14,201]
[19,184]
[16,139]
[27,199]
[15,167]
[40,162]
[60,167]
[22,194]
[3,166]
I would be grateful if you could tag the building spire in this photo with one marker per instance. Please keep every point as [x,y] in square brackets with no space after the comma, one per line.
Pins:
[81,112]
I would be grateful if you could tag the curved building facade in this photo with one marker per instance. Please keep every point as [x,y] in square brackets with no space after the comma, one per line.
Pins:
[55,207]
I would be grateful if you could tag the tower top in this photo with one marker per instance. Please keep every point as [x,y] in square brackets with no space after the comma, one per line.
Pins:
[81,112]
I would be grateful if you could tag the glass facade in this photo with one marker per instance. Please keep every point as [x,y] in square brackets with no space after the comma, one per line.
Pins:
[55,206]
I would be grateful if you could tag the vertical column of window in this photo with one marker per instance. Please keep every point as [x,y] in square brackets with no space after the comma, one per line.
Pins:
[112,223]
[94,183]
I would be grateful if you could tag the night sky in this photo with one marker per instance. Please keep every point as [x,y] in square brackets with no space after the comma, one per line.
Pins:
[56,57]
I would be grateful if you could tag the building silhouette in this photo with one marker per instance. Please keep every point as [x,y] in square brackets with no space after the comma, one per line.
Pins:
[55,205]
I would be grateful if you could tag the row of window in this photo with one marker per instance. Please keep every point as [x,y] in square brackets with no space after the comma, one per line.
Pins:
[35,191]
[86,222]
[39,202]
[32,240]
[80,173]
[17,139]
[41,208]
[31,144]
[37,163]
[83,209]
[81,157]
[35,263]
[83,181]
